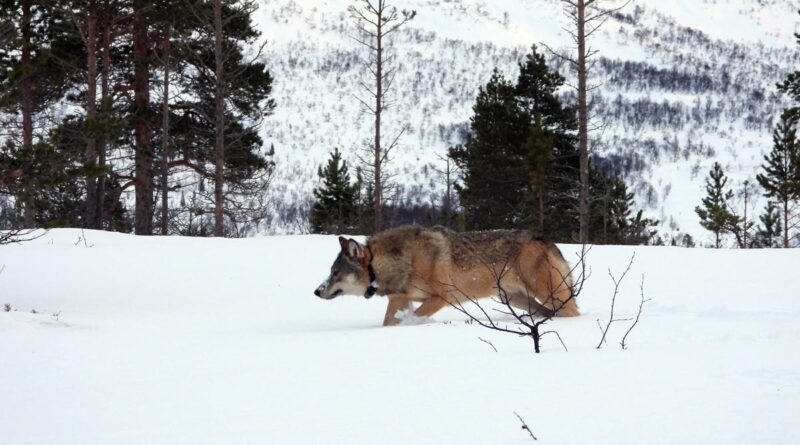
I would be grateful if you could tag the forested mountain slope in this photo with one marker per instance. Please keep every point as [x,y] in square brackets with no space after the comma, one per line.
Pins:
[680,85]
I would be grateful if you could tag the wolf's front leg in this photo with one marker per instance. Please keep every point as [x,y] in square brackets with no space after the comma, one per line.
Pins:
[397,303]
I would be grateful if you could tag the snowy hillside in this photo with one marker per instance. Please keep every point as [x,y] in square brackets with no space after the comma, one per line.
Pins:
[683,83]
[194,341]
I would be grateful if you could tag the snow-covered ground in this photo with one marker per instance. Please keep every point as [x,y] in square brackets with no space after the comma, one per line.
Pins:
[191,341]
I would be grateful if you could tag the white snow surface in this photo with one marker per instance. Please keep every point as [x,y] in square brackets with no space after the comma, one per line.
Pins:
[207,341]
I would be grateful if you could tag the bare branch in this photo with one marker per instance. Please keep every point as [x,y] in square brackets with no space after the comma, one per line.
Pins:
[638,315]
[617,282]
[488,343]
[525,426]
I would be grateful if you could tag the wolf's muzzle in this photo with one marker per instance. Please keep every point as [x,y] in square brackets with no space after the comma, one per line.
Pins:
[321,288]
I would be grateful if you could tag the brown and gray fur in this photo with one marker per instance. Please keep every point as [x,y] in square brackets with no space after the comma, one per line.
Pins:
[438,267]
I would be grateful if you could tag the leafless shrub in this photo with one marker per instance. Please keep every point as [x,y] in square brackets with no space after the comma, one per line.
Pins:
[17,236]
[617,282]
[611,319]
[529,322]
[638,315]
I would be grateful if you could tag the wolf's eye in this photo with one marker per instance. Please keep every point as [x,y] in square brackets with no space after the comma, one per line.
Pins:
[335,273]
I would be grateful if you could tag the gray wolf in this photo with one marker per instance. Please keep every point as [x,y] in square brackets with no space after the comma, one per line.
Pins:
[438,267]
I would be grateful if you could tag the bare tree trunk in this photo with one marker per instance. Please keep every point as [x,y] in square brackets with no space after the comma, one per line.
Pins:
[143,175]
[26,104]
[448,205]
[378,195]
[583,125]
[219,122]
[786,223]
[541,210]
[588,17]
[91,114]
[376,20]
[105,109]
[165,153]
[605,214]
[744,224]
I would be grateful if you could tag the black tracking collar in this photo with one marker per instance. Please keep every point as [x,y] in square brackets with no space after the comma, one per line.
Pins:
[373,283]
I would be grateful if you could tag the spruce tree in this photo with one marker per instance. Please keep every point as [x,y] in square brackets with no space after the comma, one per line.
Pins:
[781,177]
[715,214]
[552,158]
[613,217]
[493,161]
[769,233]
[519,162]
[335,209]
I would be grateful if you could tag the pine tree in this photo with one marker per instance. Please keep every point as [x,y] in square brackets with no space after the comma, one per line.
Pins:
[217,126]
[37,54]
[715,214]
[781,177]
[769,233]
[335,209]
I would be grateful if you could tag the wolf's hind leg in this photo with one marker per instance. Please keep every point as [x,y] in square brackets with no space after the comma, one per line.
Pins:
[552,290]
[430,306]
[396,303]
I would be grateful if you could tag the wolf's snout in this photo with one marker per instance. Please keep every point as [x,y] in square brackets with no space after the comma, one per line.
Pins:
[321,288]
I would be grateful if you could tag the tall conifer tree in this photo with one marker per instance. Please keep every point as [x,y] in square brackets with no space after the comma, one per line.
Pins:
[781,177]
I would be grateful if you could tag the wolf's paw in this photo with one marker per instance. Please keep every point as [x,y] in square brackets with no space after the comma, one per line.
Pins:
[407,317]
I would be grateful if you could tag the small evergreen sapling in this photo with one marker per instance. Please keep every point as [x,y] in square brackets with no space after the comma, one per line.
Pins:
[335,209]
[715,214]
[770,231]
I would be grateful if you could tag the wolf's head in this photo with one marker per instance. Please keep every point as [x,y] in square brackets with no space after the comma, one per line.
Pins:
[350,272]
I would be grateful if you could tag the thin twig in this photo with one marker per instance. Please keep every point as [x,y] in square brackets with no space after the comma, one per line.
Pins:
[638,314]
[488,343]
[525,426]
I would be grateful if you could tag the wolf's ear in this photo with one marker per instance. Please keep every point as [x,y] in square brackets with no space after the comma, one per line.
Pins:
[353,248]
[343,243]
